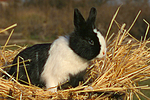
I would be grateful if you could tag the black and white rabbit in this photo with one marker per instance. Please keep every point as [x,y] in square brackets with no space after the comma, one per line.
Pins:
[52,64]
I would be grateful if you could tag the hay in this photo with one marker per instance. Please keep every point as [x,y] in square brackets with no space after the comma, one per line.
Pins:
[116,76]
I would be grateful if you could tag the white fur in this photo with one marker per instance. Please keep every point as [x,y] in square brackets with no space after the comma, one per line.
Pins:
[102,43]
[61,62]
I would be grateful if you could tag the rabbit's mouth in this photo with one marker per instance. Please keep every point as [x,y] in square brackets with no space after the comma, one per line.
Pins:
[102,54]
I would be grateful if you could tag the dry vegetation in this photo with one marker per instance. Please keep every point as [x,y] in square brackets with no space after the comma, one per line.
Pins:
[115,76]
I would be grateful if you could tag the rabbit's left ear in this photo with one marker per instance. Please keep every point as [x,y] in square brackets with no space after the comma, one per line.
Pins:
[92,16]
[79,21]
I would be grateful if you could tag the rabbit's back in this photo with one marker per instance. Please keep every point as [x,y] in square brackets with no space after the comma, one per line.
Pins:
[37,56]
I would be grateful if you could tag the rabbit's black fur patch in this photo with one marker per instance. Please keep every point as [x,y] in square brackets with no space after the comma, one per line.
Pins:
[35,66]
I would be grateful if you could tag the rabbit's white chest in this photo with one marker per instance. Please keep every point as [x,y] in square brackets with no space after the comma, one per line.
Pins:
[61,62]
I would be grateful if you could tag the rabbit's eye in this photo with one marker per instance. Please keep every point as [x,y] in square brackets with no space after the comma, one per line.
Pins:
[91,42]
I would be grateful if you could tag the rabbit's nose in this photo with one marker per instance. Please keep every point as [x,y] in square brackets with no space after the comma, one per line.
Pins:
[103,53]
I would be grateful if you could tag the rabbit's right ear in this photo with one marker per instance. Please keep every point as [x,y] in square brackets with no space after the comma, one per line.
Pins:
[79,21]
[92,17]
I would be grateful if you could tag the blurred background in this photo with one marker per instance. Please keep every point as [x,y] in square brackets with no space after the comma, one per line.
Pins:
[45,20]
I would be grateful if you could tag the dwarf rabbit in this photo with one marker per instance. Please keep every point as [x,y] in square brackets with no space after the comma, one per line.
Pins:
[53,63]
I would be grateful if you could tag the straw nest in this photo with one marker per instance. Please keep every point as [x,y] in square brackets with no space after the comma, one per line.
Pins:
[127,62]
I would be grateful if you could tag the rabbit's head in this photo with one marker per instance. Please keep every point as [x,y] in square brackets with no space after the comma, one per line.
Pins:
[86,40]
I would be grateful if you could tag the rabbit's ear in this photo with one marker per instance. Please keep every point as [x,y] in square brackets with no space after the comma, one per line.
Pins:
[79,21]
[92,16]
